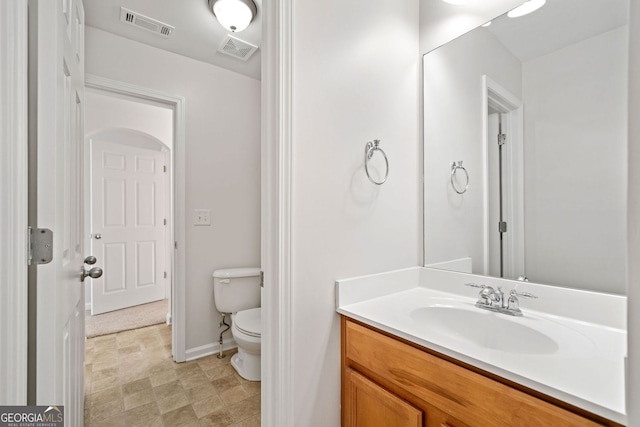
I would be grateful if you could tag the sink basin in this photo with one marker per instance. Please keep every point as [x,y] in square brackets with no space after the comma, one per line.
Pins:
[485,329]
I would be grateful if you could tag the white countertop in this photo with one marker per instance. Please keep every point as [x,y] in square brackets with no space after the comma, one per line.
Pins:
[579,361]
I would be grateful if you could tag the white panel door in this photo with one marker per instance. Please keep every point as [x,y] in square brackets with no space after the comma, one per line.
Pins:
[60,135]
[128,225]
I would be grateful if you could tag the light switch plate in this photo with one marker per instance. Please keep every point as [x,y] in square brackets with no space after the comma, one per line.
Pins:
[202,217]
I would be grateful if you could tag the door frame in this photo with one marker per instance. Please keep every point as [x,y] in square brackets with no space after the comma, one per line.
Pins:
[14,121]
[276,216]
[177,174]
[502,100]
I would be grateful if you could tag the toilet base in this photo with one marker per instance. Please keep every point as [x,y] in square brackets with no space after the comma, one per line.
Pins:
[247,365]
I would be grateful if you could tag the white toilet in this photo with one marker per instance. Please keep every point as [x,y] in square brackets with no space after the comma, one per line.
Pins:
[237,291]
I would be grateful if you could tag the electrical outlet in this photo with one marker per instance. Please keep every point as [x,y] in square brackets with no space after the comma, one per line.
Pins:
[202,217]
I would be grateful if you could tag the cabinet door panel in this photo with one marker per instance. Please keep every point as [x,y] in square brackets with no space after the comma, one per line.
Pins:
[474,399]
[369,405]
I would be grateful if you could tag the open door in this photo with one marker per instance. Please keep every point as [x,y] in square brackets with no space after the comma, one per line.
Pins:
[128,219]
[57,28]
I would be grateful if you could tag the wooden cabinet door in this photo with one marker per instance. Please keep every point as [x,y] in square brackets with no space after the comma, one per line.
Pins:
[369,405]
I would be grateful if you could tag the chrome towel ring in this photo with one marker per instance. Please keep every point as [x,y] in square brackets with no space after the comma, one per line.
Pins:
[369,151]
[455,167]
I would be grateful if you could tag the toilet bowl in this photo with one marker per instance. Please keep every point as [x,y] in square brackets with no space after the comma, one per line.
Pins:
[246,331]
[237,292]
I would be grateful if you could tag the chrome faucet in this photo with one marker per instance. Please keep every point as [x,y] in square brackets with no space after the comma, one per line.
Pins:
[493,299]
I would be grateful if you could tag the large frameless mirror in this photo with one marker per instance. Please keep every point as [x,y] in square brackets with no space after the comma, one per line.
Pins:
[525,147]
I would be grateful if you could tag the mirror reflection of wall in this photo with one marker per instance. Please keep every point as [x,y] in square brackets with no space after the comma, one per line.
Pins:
[556,86]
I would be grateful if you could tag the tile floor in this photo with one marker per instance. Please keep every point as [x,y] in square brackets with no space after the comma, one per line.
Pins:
[130,380]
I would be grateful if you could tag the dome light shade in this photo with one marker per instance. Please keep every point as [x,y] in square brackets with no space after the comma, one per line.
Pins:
[234,15]
[526,8]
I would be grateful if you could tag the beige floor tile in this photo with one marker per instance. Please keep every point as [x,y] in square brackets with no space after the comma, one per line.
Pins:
[168,389]
[185,367]
[104,364]
[134,387]
[252,387]
[162,366]
[106,410]
[142,415]
[116,420]
[180,417]
[107,395]
[219,418]
[138,399]
[245,409]
[105,373]
[207,406]
[249,422]
[234,395]
[193,379]
[133,372]
[219,372]
[225,383]
[164,377]
[173,402]
[212,361]
[200,392]
[104,384]
[133,348]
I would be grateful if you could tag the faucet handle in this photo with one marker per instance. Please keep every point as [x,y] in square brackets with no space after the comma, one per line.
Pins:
[521,294]
[475,285]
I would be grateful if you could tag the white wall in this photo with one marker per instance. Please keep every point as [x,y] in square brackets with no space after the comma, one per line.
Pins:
[222,161]
[453,111]
[355,78]
[633,234]
[575,168]
[105,111]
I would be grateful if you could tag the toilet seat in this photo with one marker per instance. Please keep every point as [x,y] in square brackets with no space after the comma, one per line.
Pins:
[249,322]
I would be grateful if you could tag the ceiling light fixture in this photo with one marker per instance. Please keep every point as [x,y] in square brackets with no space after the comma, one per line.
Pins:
[526,8]
[234,15]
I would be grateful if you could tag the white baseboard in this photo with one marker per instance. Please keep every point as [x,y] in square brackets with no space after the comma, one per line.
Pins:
[168,318]
[209,349]
[87,306]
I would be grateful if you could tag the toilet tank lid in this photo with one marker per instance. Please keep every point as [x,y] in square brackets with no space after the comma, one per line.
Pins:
[228,273]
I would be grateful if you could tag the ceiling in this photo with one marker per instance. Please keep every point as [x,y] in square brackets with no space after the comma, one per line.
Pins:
[559,23]
[197,32]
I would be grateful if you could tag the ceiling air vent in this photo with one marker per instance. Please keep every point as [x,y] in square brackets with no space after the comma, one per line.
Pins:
[134,18]
[237,48]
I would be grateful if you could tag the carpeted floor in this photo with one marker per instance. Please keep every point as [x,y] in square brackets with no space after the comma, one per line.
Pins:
[129,318]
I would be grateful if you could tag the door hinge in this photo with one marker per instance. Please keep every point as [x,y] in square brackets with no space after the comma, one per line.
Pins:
[165,274]
[165,221]
[502,138]
[262,279]
[40,246]
[175,245]
[502,227]
[164,168]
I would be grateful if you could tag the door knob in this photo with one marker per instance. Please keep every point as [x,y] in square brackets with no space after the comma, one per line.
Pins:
[90,260]
[94,273]
[97,236]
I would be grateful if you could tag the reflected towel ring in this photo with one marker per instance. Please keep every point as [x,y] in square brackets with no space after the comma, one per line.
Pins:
[455,166]
[369,150]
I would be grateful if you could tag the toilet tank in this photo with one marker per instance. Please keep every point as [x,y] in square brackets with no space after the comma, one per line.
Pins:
[236,289]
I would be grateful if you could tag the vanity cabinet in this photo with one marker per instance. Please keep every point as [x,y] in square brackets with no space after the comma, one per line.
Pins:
[389,382]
